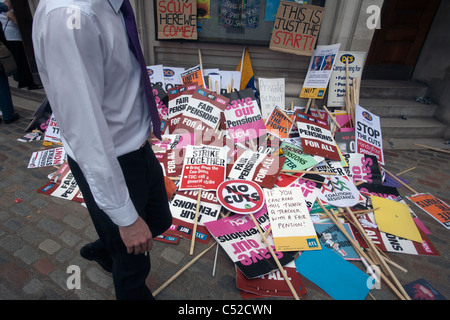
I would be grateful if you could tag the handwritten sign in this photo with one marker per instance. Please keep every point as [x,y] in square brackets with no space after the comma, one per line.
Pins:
[271,93]
[203,168]
[177,19]
[292,227]
[296,28]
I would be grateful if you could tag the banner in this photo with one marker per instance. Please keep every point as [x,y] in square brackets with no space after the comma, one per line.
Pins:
[296,28]
[292,227]
[257,167]
[272,93]
[177,19]
[203,168]
[243,118]
[337,92]
[243,243]
[319,72]
[316,137]
[183,208]
[435,207]
[368,135]
[47,158]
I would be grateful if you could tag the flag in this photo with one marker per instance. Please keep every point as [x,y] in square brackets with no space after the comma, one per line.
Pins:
[247,76]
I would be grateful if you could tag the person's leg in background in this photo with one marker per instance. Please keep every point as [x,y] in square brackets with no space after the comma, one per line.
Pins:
[6,104]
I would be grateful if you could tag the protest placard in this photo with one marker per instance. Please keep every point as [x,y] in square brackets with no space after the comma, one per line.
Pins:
[278,124]
[240,196]
[243,118]
[239,237]
[319,72]
[368,137]
[337,89]
[156,75]
[292,227]
[183,208]
[203,168]
[179,98]
[203,114]
[172,77]
[258,167]
[162,100]
[296,159]
[345,141]
[193,75]
[296,28]
[339,191]
[435,207]
[176,19]
[316,136]
[331,237]
[171,161]
[63,185]
[52,132]
[270,285]
[47,158]
[271,93]
[363,168]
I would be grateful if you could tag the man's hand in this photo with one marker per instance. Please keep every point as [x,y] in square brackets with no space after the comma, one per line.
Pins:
[137,237]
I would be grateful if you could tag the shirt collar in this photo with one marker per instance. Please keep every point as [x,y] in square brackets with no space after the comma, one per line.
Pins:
[116,4]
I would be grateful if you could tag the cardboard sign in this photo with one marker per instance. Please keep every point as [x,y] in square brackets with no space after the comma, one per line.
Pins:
[193,75]
[316,137]
[296,159]
[309,184]
[63,185]
[368,136]
[243,118]
[177,19]
[179,98]
[337,92]
[171,161]
[272,284]
[258,167]
[292,227]
[239,237]
[52,131]
[296,28]
[183,208]
[240,196]
[319,72]
[47,158]
[156,75]
[203,168]
[278,125]
[363,168]
[339,191]
[172,77]
[203,113]
[271,94]
[435,207]
[332,238]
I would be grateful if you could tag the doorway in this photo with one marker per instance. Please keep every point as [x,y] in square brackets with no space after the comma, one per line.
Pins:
[397,45]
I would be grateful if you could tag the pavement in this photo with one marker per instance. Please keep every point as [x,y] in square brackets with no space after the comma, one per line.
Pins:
[40,237]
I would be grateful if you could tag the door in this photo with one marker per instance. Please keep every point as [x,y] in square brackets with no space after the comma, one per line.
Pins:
[396,46]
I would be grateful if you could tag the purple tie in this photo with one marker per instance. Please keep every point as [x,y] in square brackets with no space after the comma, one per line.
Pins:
[130,24]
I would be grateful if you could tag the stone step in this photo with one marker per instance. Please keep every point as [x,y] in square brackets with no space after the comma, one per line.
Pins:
[394,108]
[416,144]
[34,95]
[392,89]
[412,128]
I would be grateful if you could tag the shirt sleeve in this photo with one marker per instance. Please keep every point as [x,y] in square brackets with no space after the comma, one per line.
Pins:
[71,59]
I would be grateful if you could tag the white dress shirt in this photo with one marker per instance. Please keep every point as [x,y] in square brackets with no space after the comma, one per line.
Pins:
[93,83]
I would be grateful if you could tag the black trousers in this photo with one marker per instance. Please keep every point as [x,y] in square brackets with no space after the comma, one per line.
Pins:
[145,182]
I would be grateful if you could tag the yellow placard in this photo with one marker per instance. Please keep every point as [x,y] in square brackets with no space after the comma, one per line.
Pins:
[313,93]
[394,218]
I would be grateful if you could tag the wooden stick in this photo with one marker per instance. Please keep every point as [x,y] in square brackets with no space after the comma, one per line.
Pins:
[400,181]
[194,231]
[308,104]
[377,254]
[331,116]
[432,148]
[312,172]
[357,247]
[408,170]
[176,275]
[280,267]
[284,114]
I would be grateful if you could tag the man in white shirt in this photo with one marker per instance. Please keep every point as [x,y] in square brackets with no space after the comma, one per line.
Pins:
[93,83]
